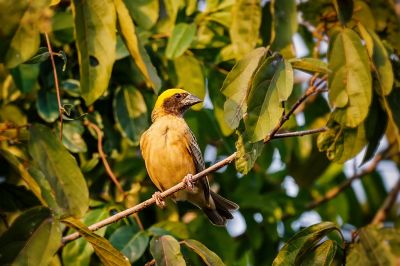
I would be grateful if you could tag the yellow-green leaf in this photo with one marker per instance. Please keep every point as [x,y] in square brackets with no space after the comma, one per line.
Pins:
[310,65]
[95,30]
[108,255]
[237,85]
[208,257]
[284,23]
[137,51]
[166,251]
[272,85]
[350,83]
[180,40]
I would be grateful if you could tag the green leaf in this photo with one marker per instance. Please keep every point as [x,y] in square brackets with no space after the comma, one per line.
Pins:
[61,171]
[130,242]
[34,232]
[237,85]
[79,251]
[47,106]
[72,137]
[107,254]
[41,55]
[72,87]
[376,124]
[95,30]
[144,12]
[271,86]
[19,38]
[25,77]
[321,255]
[375,192]
[284,23]
[208,257]
[310,65]
[176,229]
[372,248]
[180,40]
[21,169]
[130,112]
[247,153]
[166,251]
[344,9]
[245,25]
[190,76]
[380,59]
[137,51]
[341,143]
[298,246]
[350,84]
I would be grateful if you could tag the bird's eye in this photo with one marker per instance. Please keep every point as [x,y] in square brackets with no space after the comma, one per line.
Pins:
[178,96]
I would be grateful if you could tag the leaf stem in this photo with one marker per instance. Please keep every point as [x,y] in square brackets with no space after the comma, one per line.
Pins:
[383,211]
[53,64]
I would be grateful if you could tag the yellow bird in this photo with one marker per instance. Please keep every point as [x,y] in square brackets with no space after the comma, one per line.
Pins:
[172,155]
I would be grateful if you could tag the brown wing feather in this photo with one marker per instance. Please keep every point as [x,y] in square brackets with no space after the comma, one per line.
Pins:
[199,163]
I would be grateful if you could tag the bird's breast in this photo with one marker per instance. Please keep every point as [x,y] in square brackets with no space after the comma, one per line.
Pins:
[165,148]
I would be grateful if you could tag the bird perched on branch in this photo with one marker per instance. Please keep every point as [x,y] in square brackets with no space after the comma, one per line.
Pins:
[172,155]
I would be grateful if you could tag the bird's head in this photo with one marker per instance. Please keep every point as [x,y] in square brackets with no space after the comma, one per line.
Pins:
[173,101]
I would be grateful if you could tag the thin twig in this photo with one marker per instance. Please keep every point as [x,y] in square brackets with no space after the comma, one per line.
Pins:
[334,192]
[53,64]
[182,185]
[383,211]
[102,154]
[150,263]
[299,133]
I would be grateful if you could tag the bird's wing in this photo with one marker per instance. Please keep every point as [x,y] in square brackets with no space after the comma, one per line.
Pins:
[199,163]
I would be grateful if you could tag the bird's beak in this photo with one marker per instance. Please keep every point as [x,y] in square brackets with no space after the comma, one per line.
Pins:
[190,100]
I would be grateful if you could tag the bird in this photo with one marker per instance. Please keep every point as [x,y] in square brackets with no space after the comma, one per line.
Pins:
[172,155]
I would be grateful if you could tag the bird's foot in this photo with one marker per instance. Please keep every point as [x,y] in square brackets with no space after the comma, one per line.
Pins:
[189,182]
[159,199]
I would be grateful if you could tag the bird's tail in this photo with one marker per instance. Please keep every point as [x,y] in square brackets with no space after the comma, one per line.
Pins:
[222,210]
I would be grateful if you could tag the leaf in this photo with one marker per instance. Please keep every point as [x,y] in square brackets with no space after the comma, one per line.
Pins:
[300,244]
[47,106]
[20,168]
[130,242]
[321,255]
[376,124]
[371,249]
[60,169]
[79,251]
[350,86]
[190,76]
[247,153]
[341,143]
[25,77]
[107,254]
[166,251]
[137,51]
[95,31]
[72,137]
[237,85]
[380,59]
[41,55]
[180,40]
[310,65]
[208,257]
[284,23]
[144,12]
[176,229]
[245,25]
[19,39]
[271,86]
[130,112]
[344,9]
[34,232]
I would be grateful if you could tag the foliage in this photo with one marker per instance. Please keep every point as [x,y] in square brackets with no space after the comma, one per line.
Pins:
[251,61]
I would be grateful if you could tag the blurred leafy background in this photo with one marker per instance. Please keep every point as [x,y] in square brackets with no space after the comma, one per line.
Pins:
[113,58]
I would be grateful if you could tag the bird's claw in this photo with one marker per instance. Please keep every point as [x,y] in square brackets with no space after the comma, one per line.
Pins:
[159,199]
[188,180]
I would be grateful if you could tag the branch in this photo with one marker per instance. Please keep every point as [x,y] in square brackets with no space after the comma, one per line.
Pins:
[383,211]
[102,154]
[182,185]
[334,192]
[53,64]
[299,133]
